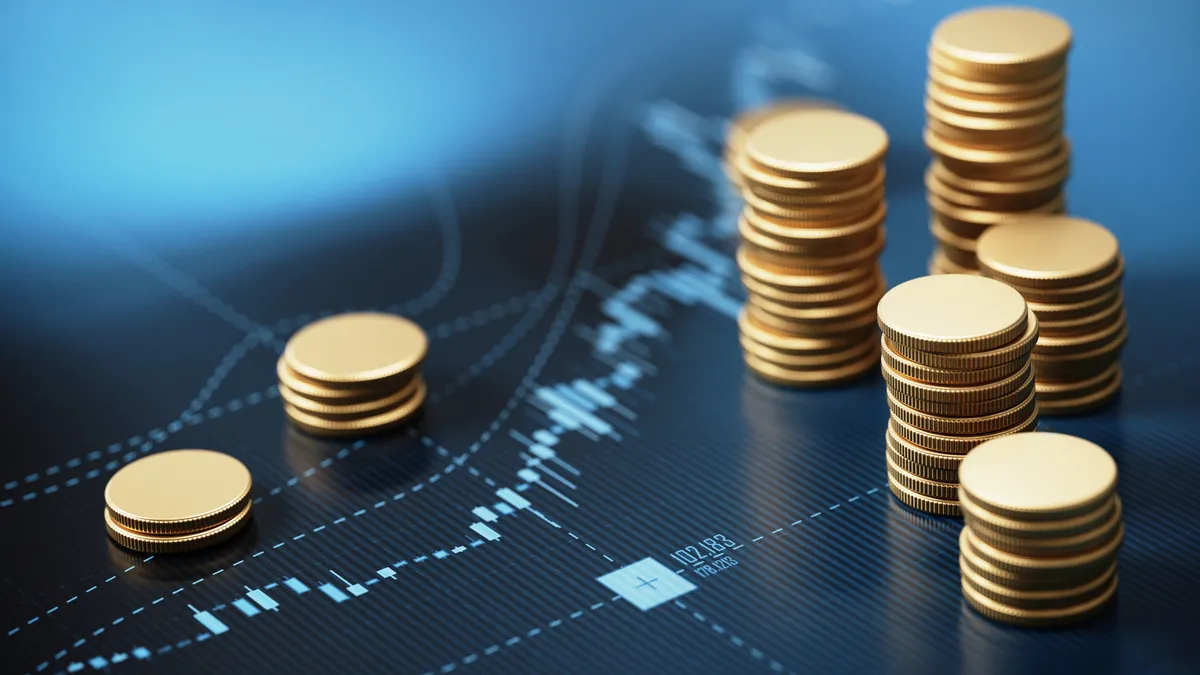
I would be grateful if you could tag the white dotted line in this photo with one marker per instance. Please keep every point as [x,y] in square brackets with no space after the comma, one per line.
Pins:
[734,640]
[829,510]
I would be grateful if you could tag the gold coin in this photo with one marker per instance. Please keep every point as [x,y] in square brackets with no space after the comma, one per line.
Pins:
[356,348]
[1031,530]
[794,361]
[948,211]
[765,231]
[177,492]
[1064,312]
[960,444]
[1058,155]
[318,426]
[861,325]
[765,335]
[989,201]
[1030,75]
[744,121]
[940,264]
[762,177]
[923,470]
[1027,580]
[806,298]
[821,264]
[980,408]
[976,87]
[964,103]
[1016,350]
[915,389]
[844,212]
[802,282]
[944,376]
[178,543]
[1040,476]
[816,142]
[1082,343]
[981,126]
[346,411]
[1016,185]
[1086,324]
[921,486]
[341,395]
[790,377]
[1050,251]
[1056,599]
[1034,566]
[950,150]
[937,507]
[952,314]
[1086,402]
[1004,39]
[1049,392]
[915,454]
[871,190]
[819,315]
[1076,367]
[962,426]
[1071,545]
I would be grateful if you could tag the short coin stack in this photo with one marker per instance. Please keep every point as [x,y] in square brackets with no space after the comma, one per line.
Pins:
[812,231]
[956,363]
[1043,527]
[353,374]
[994,123]
[177,501]
[1069,270]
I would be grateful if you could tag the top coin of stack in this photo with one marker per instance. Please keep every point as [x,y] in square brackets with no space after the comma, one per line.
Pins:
[740,126]
[1069,269]
[812,230]
[1043,527]
[177,501]
[994,123]
[956,362]
[353,374]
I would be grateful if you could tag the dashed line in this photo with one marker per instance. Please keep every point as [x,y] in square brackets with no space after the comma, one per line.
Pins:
[736,641]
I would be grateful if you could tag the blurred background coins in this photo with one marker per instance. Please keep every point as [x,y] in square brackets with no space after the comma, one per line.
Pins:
[994,123]
[1069,269]
[955,355]
[353,374]
[1043,527]
[812,179]
[177,501]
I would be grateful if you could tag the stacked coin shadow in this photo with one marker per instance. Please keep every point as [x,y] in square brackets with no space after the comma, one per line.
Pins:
[353,375]
[177,501]
[994,124]
[1069,270]
[1039,547]
[812,180]
[949,393]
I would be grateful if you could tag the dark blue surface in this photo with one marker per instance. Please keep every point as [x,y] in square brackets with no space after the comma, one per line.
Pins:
[114,328]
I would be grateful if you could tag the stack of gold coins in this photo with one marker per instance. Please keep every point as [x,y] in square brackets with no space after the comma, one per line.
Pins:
[812,231]
[994,123]
[1043,527]
[353,374]
[177,501]
[1069,270]
[956,363]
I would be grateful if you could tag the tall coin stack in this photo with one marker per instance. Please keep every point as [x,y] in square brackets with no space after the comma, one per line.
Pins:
[956,363]
[1043,528]
[1069,270]
[994,123]
[353,374]
[812,231]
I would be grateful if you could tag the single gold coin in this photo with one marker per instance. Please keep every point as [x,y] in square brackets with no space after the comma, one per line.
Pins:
[944,462]
[1039,476]
[959,444]
[998,37]
[952,314]
[816,142]
[1046,600]
[790,377]
[943,376]
[356,348]
[385,421]
[348,411]
[925,471]
[1027,580]
[178,543]
[1086,402]
[1033,530]
[741,124]
[177,492]
[1048,251]
[963,426]
[973,86]
[908,388]
[1018,349]
[1060,546]
[937,507]
[922,486]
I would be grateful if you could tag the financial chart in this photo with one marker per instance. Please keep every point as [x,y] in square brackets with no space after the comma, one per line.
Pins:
[597,483]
